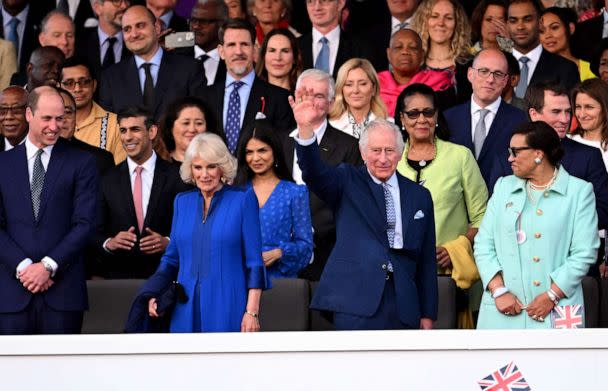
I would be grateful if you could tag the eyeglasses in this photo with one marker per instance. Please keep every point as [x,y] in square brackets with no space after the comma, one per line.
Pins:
[485,72]
[16,110]
[321,2]
[70,84]
[514,150]
[117,3]
[414,114]
[202,21]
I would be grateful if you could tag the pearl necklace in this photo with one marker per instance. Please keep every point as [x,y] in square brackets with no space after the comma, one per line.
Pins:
[531,186]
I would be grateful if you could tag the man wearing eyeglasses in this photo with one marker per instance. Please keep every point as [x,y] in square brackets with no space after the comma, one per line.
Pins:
[205,21]
[94,125]
[103,45]
[484,124]
[13,126]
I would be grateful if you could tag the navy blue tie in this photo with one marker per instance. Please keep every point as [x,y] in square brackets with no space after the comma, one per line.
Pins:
[233,116]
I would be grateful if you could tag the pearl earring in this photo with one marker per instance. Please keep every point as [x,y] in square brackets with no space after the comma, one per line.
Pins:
[537,160]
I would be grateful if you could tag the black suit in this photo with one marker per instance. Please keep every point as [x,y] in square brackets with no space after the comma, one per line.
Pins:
[117,213]
[587,37]
[178,76]
[30,33]
[103,159]
[348,48]
[380,35]
[553,67]
[276,106]
[336,147]
[87,47]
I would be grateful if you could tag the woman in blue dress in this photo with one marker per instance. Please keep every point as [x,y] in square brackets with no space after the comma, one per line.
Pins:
[284,206]
[215,248]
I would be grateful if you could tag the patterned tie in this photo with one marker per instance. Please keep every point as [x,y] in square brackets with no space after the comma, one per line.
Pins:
[13,36]
[148,87]
[520,90]
[401,26]
[322,62]
[109,58]
[480,132]
[233,116]
[202,58]
[391,217]
[137,198]
[37,182]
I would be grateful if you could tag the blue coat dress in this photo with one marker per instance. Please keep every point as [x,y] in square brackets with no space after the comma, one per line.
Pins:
[561,244]
[218,259]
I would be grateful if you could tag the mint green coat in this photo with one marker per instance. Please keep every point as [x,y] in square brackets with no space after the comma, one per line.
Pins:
[561,244]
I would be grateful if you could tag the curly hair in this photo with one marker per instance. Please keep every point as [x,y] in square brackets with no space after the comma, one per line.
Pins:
[461,40]
[340,106]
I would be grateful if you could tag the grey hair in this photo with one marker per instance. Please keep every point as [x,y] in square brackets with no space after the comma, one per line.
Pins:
[381,123]
[45,20]
[210,148]
[220,4]
[319,75]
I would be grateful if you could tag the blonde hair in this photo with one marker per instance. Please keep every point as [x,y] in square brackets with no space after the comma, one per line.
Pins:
[210,148]
[340,106]
[461,40]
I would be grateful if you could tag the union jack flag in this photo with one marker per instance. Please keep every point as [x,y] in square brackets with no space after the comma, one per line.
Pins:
[567,317]
[507,378]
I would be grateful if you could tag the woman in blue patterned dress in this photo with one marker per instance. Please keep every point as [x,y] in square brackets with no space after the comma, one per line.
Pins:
[284,206]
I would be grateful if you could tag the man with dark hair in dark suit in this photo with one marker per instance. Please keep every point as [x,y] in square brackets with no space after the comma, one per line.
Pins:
[13,126]
[335,147]
[242,96]
[152,77]
[536,64]
[104,45]
[49,199]
[44,67]
[136,207]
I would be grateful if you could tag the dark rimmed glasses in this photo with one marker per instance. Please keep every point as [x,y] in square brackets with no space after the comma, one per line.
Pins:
[485,73]
[414,114]
[514,150]
[16,110]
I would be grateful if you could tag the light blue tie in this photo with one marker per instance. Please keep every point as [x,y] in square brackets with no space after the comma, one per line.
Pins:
[13,36]
[322,62]
[522,86]
[233,117]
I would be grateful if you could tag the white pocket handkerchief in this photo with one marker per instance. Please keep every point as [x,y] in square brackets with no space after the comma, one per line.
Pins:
[418,215]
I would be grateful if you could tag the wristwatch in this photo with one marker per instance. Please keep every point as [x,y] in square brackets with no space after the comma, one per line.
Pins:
[47,267]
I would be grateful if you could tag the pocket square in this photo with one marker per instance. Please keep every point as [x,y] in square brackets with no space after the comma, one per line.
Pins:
[419,215]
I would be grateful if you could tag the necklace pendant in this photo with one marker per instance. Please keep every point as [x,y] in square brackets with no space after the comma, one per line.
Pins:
[422,163]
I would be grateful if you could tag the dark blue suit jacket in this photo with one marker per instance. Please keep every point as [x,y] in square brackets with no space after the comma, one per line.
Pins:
[66,220]
[353,279]
[499,135]
[580,160]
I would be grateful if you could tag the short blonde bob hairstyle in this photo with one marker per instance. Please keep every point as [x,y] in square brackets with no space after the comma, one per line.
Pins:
[210,148]
[376,104]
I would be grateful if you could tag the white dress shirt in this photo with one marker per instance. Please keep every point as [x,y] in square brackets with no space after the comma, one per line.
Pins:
[334,42]
[319,132]
[8,146]
[30,153]
[147,177]
[533,55]
[104,44]
[211,64]
[475,114]
[396,24]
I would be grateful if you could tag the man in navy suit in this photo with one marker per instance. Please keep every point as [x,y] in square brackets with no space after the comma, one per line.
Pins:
[48,194]
[484,124]
[381,273]
[548,102]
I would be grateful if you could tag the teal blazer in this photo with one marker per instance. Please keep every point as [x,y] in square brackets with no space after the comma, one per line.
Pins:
[562,238]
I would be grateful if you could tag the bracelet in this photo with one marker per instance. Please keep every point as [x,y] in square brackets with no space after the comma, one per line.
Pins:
[553,296]
[499,292]
[252,314]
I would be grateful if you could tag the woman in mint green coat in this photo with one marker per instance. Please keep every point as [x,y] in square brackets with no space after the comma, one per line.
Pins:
[538,237]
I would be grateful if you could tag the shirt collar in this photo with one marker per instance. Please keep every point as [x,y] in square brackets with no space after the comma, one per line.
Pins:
[392,181]
[31,149]
[148,165]
[331,36]
[605,15]
[155,60]
[213,53]
[319,132]
[396,22]
[22,16]
[493,107]
[533,55]
[247,79]
[103,36]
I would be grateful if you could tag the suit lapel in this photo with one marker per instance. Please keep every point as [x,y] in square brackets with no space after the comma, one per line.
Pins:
[93,49]
[306,45]
[378,196]
[126,193]
[158,184]
[540,69]
[163,81]
[254,101]
[23,176]
[220,86]
[131,79]
[326,146]
[343,54]
[53,172]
